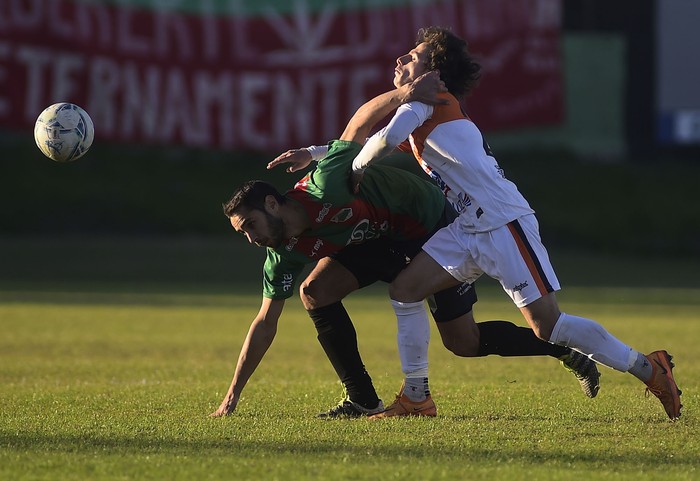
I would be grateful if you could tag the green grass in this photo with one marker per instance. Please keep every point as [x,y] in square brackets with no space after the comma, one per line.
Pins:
[114,378]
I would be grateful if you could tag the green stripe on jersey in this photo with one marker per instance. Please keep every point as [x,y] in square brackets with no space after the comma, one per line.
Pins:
[255,8]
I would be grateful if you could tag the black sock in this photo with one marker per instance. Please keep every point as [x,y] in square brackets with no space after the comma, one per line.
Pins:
[504,338]
[339,340]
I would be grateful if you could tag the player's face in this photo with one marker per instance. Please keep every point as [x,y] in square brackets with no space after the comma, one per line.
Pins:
[260,228]
[412,65]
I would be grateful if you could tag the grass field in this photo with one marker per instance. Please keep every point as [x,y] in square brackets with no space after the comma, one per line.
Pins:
[113,354]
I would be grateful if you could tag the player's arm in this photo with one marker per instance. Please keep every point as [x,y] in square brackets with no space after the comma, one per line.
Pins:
[405,121]
[299,158]
[260,336]
[424,89]
[384,142]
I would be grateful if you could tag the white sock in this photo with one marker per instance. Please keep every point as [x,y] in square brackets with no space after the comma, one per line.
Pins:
[592,339]
[416,388]
[641,369]
[413,337]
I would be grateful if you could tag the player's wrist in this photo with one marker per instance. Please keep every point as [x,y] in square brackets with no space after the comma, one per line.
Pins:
[317,152]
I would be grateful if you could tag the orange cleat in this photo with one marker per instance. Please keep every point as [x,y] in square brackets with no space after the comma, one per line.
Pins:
[403,406]
[662,385]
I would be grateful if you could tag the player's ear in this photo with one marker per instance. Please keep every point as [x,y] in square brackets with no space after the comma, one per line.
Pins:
[271,204]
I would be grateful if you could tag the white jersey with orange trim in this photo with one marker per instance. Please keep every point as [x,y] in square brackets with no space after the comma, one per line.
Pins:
[451,150]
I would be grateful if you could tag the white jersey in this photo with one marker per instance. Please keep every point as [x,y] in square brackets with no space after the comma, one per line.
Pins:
[451,150]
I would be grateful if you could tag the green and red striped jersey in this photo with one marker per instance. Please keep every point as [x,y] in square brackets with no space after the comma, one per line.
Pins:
[392,202]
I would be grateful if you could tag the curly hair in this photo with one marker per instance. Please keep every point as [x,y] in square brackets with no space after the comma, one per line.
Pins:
[450,55]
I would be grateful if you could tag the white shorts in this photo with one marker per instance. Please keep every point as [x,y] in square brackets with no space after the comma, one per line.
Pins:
[512,254]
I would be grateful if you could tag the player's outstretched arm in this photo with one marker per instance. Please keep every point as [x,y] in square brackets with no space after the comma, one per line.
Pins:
[424,89]
[260,336]
[299,158]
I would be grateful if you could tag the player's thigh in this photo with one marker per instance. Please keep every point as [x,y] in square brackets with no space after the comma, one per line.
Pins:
[423,277]
[327,283]
[353,267]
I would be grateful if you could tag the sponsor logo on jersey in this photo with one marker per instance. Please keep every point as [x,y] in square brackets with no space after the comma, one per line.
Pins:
[358,232]
[366,230]
[324,212]
[290,245]
[520,286]
[463,201]
[342,215]
[317,246]
[287,281]
[436,177]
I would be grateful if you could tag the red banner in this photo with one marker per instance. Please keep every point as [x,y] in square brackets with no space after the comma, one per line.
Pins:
[266,81]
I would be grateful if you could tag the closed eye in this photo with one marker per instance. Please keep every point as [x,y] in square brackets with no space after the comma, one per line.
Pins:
[246,226]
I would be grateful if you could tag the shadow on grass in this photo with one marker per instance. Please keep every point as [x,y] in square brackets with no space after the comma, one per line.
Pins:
[265,449]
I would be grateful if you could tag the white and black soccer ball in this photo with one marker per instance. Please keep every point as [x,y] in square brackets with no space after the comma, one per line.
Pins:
[64,132]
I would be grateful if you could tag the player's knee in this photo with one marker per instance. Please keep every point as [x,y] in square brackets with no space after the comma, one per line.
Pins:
[542,316]
[314,293]
[543,326]
[400,291]
[542,331]
[309,293]
[540,327]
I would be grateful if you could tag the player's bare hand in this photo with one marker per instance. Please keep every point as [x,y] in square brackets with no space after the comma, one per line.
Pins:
[355,180]
[298,158]
[426,88]
[228,405]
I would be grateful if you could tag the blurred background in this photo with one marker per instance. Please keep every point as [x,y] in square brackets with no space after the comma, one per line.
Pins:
[592,107]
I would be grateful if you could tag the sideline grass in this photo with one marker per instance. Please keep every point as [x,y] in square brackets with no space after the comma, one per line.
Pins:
[99,385]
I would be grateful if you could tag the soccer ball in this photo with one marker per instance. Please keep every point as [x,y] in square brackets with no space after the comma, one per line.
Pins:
[64,132]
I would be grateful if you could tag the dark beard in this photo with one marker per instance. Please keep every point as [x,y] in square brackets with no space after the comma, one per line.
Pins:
[276,227]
